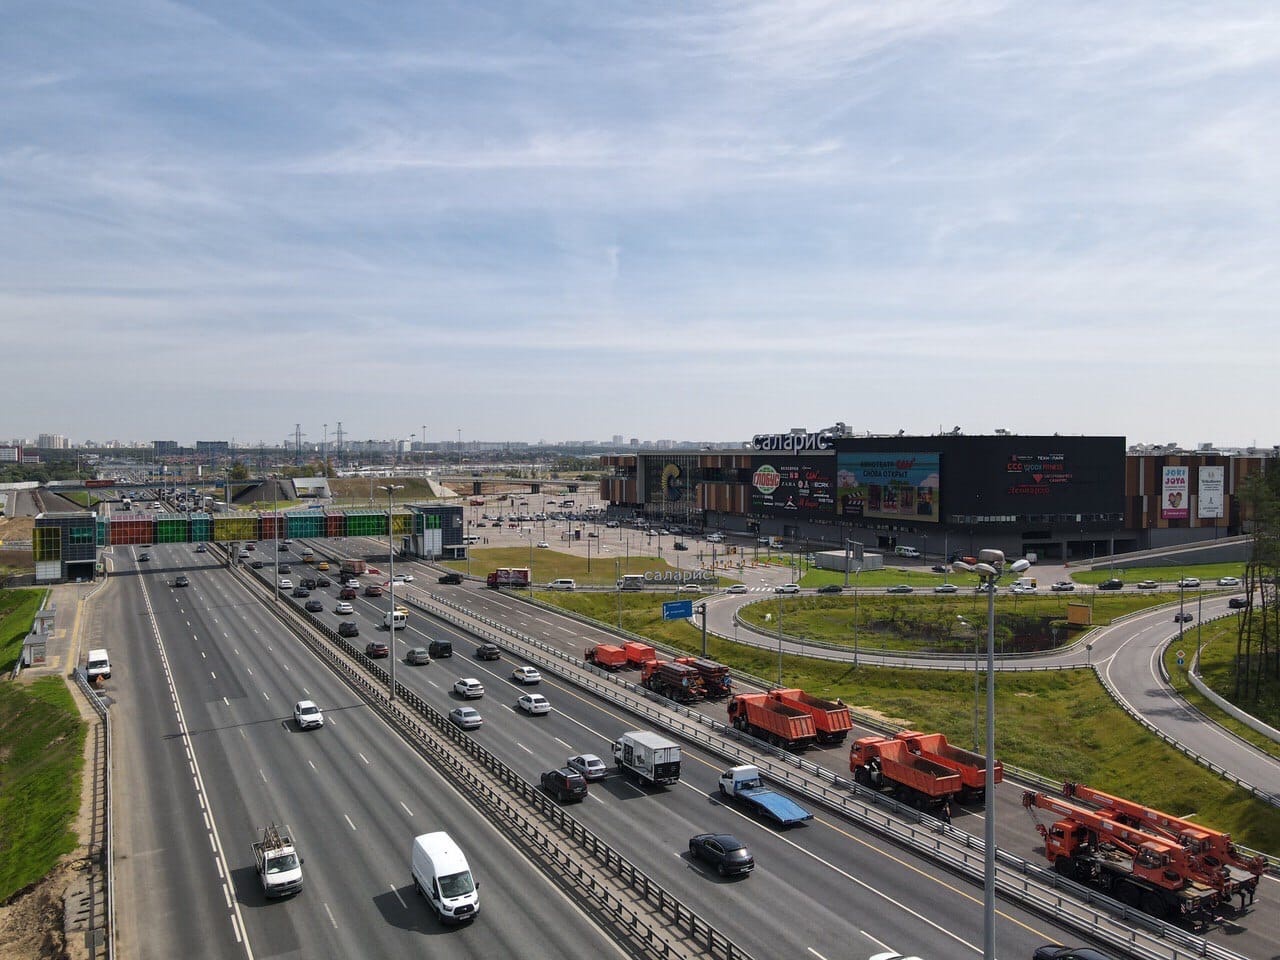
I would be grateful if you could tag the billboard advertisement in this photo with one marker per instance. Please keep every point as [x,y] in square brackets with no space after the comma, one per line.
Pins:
[1209,501]
[888,486]
[793,487]
[1174,493]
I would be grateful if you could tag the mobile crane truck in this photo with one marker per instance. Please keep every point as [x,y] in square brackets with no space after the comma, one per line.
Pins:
[1144,871]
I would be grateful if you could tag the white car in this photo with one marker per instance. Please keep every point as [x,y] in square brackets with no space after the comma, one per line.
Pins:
[1228,581]
[534,703]
[714,538]
[344,607]
[544,545]
[737,588]
[307,715]
[1022,588]
[945,588]
[351,582]
[689,588]
[1189,582]
[589,765]
[468,718]
[403,578]
[286,583]
[469,688]
[787,588]
[526,675]
[1063,586]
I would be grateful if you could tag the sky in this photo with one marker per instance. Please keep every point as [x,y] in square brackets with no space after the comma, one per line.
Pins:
[570,220]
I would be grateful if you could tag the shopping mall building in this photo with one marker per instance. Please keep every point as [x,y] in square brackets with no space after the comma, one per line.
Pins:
[1059,497]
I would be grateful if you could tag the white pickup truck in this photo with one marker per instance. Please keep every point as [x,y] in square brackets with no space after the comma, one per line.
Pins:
[279,866]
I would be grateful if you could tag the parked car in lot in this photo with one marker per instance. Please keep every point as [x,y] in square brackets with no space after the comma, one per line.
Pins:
[901,588]
[469,688]
[417,656]
[377,649]
[945,588]
[1145,585]
[314,606]
[534,703]
[526,674]
[1228,581]
[1113,584]
[488,651]
[736,588]
[1238,603]
[831,588]
[348,628]
[940,568]
[725,852]
[468,718]
[307,715]
[1063,586]
[787,588]
[589,765]
[564,784]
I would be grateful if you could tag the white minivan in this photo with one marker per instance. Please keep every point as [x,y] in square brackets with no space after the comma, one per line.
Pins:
[99,665]
[564,583]
[906,551]
[442,875]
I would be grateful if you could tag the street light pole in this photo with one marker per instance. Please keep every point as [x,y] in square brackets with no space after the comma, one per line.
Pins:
[989,567]
[780,599]
[855,613]
[391,488]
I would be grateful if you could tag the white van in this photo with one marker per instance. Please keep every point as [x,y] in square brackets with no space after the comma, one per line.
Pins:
[441,874]
[400,617]
[906,551]
[99,665]
[564,583]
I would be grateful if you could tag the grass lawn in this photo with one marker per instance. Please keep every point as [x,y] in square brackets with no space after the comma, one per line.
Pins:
[17,611]
[551,565]
[41,741]
[1060,724]
[1207,572]
[355,492]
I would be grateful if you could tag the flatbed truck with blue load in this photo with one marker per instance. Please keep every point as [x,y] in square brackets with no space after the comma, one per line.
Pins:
[743,783]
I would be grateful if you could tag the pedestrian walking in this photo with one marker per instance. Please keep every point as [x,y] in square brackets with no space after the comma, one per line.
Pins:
[946,812]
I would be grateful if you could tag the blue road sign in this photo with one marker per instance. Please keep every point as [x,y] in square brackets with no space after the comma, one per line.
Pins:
[677,610]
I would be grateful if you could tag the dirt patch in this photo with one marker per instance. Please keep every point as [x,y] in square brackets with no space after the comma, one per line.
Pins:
[16,528]
[31,922]
[882,717]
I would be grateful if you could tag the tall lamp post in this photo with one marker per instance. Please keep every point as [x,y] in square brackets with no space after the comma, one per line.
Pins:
[391,489]
[988,568]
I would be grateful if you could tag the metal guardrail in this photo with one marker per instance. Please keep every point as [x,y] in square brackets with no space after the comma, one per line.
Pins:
[1103,918]
[108,848]
[688,922]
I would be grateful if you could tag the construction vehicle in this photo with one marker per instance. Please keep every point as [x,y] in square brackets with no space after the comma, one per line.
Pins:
[1208,848]
[679,681]
[831,718]
[771,721]
[279,866]
[972,767]
[353,566]
[1139,869]
[508,577]
[606,655]
[652,758]
[715,676]
[638,653]
[744,784]
[884,763]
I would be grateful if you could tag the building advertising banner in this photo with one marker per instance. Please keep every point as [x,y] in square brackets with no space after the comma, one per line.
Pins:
[1209,501]
[888,486]
[804,486]
[1174,494]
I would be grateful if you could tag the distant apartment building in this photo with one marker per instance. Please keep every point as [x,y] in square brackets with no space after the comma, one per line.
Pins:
[52,441]
[211,450]
[10,454]
[164,448]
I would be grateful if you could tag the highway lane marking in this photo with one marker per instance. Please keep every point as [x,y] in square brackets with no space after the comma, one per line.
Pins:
[406,809]
[203,656]
[226,702]
[313,766]
[267,695]
[349,823]
[398,897]
[567,746]
[330,913]
[211,674]
[524,748]
[262,775]
[362,757]
[816,953]
[250,670]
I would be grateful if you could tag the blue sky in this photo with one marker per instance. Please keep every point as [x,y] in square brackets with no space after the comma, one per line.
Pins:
[697,221]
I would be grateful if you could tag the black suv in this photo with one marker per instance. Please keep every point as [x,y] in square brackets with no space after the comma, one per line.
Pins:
[309,582]
[454,578]
[348,628]
[565,784]
[181,580]
[1112,584]
[440,648]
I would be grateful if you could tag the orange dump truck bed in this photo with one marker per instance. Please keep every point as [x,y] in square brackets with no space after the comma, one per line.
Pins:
[606,655]
[971,767]
[831,720]
[883,762]
[757,714]
[638,653]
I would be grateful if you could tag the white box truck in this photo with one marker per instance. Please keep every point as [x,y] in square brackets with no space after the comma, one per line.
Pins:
[442,875]
[652,758]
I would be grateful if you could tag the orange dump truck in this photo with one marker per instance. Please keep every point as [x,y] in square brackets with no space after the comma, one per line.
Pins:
[638,653]
[606,655]
[972,767]
[831,720]
[887,764]
[774,722]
